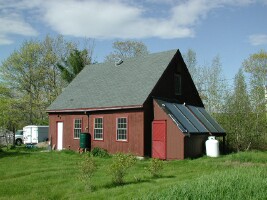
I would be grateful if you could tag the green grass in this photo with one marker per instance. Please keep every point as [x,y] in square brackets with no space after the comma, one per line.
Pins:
[26,174]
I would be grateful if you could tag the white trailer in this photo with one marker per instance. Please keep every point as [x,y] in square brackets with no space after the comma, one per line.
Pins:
[34,134]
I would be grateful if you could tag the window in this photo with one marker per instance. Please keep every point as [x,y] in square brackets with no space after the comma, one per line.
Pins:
[122,129]
[98,129]
[77,128]
[177,84]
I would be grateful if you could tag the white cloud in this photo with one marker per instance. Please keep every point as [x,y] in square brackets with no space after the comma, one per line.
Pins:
[258,39]
[108,19]
[12,22]
[13,25]
[118,19]
[115,19]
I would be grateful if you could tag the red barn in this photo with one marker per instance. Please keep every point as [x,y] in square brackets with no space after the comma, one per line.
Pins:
[134,106]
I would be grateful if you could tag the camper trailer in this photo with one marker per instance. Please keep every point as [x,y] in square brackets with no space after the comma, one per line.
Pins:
[34,134]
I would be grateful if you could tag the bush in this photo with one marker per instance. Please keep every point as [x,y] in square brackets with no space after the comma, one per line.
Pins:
[155,167]
[99,152]
[119,167]
[88,168]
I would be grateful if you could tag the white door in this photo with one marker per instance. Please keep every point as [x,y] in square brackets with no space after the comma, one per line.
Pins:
[27,135]
[34,135]
[59,135]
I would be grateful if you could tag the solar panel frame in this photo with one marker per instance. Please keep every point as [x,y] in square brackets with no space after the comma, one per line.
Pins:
[180,126]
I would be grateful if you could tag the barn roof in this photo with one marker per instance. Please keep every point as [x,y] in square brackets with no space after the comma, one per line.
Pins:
[191,119]
[106,85]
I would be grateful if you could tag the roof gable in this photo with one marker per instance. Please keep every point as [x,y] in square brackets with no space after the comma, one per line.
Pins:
[106,85]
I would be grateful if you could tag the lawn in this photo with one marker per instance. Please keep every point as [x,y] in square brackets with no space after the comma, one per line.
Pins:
[28,174]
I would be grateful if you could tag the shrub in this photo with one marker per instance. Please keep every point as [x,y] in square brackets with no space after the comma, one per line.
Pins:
[155,167]
[119,167]
[88,168]
[99,152]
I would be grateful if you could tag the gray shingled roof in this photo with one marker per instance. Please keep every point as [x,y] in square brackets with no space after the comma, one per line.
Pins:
[106,85]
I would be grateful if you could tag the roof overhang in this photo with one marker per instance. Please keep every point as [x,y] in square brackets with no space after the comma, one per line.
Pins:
[78,110]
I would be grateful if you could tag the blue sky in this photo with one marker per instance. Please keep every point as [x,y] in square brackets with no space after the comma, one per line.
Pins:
[232,29]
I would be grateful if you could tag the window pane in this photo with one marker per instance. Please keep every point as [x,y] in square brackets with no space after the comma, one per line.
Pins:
[98,129]
[77,128]
[122,128]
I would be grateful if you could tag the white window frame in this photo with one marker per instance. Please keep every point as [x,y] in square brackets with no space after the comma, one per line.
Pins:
[98,129]
[77,128]
[122,129]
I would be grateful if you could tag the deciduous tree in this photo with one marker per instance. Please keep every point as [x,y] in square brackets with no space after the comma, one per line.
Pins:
[32,75]
[127,49]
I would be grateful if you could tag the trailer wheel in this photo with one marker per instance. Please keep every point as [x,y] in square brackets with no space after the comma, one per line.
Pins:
[18,142]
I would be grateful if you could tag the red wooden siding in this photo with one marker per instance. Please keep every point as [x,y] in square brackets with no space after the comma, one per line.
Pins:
[68,129]
[175,138]
[135,131]
[159,139]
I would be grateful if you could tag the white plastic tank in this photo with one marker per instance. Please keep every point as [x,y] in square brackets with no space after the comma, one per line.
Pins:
[212,147]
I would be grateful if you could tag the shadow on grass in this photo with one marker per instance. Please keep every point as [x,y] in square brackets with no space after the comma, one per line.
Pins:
[113,185]
[18,151]
[146,180]
[4,154]
[162,176]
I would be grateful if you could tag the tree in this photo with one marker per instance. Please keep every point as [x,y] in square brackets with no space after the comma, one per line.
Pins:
[23,73]
[33,78]
[76,61]
[127,49]
[209,81]
[238,109]
[54,50]
[8,114]
[216,87]
[256,66]
[190,59]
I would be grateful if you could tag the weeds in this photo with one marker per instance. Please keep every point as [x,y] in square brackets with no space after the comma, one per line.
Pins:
[155,167]
[119,167]
[99,152]
[88,168]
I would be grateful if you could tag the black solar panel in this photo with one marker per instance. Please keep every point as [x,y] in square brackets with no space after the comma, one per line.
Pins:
[178,124]
[203,119]
[192,118]
[181,118]
[211,120]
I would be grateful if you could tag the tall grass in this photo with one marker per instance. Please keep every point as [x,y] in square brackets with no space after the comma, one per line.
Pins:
[55,175]
[238,183]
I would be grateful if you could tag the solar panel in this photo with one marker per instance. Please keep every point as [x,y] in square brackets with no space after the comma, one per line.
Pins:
[203,119]
[178,124]
[181,118]
[191,118]
[211,120]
